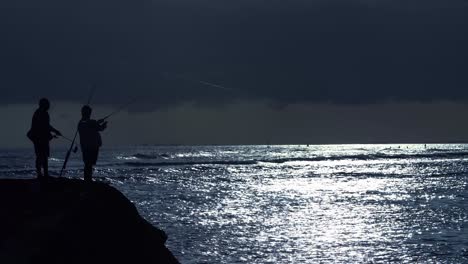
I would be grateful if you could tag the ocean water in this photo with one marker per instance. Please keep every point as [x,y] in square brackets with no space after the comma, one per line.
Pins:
[291,204]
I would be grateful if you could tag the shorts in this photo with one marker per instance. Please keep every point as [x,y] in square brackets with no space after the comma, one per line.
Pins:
[42,149]
[90,156]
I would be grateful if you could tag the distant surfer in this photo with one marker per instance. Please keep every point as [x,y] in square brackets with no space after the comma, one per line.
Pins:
[90,140]
[40,134]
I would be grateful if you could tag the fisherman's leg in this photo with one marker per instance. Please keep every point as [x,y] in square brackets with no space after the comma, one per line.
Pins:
[88,168]
[38,166]
[94,161]
[45,164]
[88,172]
[37,151]
[46,159]
[93,154]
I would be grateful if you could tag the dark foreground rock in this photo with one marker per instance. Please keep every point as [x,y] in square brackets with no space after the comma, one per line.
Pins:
[69,221]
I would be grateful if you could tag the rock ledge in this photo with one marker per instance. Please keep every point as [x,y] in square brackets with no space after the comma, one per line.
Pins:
[69,221]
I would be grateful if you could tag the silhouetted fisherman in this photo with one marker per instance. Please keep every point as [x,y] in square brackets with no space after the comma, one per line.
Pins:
[90,140]
[40,134]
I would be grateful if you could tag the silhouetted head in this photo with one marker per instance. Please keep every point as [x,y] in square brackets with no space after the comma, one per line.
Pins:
[44,104]
[86,111]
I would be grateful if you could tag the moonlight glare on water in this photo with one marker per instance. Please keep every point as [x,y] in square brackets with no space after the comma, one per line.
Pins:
[298,204]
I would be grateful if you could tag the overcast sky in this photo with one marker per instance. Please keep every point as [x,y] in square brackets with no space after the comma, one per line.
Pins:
[233,72]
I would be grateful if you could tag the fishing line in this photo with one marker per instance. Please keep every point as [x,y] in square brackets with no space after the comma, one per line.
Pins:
[119,109]
[91,94]
[63,137]
[75,149]
[67,138]
[202,82]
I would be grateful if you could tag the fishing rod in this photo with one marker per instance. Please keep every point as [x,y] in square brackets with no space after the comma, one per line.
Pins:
[119,109]
[67,157]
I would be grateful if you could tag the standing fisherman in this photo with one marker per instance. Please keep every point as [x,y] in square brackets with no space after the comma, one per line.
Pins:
[90,140]
[40,135]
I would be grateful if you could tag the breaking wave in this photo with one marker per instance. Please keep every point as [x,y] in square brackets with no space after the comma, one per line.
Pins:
[185,163]
[151,156]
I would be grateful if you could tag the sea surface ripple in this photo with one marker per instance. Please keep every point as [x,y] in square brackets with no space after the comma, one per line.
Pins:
[291,204]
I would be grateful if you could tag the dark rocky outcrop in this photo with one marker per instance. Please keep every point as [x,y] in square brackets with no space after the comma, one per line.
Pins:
[69,221]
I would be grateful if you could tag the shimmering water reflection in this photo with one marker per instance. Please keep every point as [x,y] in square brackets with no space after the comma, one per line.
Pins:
[297,204]
[304,211]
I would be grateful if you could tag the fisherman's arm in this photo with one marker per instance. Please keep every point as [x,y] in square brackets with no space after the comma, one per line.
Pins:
[52,129]
[101,124]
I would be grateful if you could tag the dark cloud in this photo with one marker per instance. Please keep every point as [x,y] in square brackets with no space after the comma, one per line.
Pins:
[295,51]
